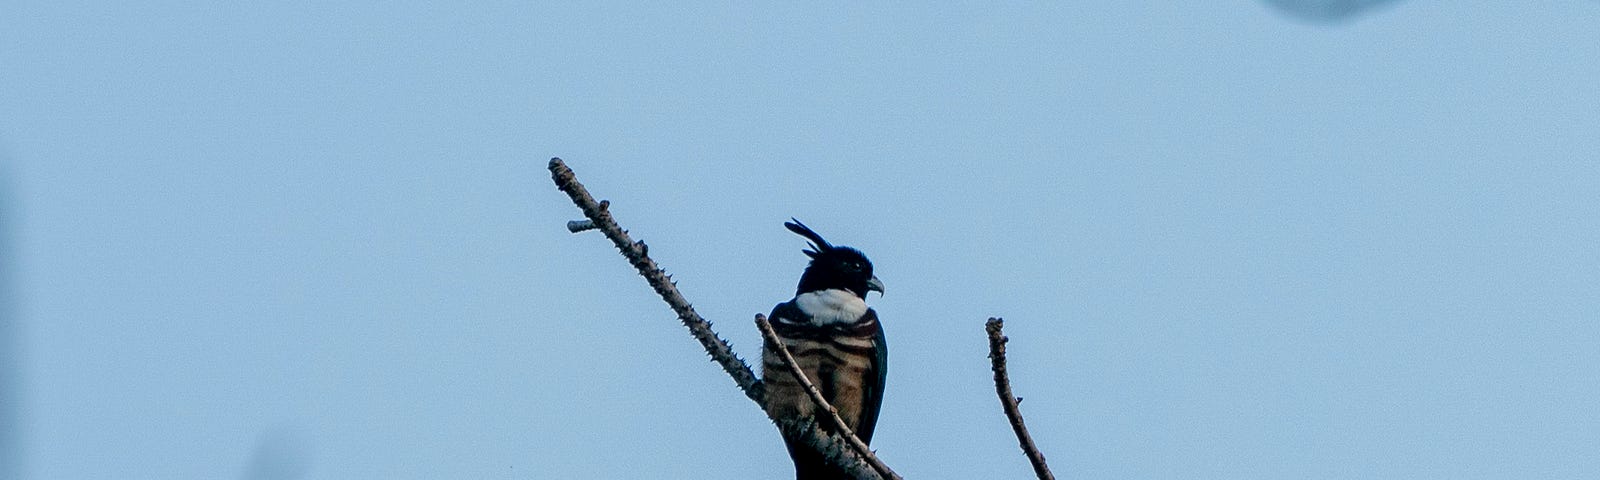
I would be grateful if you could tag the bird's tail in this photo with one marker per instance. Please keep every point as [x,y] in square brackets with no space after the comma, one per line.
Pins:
[810,465]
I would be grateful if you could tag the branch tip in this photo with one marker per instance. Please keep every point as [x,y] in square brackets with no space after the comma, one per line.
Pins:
[597,214]
[1009,401]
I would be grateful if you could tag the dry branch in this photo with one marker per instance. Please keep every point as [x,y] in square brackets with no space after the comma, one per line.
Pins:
[834,448]
[601,219]
[1008,401]
[844,430]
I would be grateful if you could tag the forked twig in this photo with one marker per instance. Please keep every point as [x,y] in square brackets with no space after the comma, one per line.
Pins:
[844,430]
[1008,401]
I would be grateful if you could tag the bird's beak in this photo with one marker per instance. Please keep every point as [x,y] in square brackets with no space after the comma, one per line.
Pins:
[873,284]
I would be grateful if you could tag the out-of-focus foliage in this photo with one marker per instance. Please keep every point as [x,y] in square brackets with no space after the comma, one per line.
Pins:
[1326,10]
[282,454]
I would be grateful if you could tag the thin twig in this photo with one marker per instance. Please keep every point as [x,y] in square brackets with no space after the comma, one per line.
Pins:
[658,278]
[1008,401]
[836,450]
[844,430]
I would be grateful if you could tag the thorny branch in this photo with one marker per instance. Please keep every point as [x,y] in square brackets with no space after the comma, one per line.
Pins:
[635,252]
[1008,401]
[832,447]
[844,430]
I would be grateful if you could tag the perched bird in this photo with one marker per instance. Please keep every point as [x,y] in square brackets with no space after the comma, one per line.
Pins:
[836,340]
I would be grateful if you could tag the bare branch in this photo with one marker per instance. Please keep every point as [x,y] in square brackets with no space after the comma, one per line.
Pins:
[844,430]
[834,449]
[635,253]
[837,450]
[1008,401]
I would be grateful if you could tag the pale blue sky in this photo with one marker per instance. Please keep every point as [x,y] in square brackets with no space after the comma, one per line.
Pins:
[314,239]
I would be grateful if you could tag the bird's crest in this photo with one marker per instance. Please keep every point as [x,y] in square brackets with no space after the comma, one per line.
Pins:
[818,245]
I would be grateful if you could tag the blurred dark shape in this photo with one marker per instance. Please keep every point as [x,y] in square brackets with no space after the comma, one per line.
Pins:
[10,360]
[280,454]
[1326,11]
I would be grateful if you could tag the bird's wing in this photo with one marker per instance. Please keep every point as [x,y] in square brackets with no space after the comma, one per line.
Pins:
[872,387]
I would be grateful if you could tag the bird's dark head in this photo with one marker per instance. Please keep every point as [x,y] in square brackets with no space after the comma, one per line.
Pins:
[834,267]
